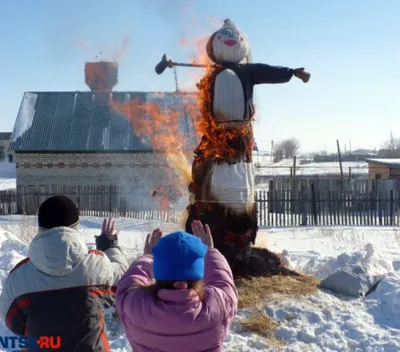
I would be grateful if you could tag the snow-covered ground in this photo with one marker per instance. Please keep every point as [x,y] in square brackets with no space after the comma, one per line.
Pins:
[306,167]
[7,183]
[7,176]
[318,322]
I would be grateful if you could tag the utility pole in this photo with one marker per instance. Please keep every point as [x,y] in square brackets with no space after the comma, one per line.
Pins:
[272,150]
[340,160]
[294,167]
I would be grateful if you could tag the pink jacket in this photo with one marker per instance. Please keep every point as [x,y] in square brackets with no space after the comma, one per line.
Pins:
[178,320]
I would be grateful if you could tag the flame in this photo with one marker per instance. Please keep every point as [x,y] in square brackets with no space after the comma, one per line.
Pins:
[196,54]
[220,141]
[161,129]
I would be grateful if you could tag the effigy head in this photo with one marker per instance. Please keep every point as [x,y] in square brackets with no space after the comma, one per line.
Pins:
[229,44]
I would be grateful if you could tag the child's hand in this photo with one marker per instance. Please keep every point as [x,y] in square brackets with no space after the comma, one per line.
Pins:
[108,238]
[204,235]
[108,227]
[151,241]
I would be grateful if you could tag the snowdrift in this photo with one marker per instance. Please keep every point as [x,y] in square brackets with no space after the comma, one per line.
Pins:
[318,322]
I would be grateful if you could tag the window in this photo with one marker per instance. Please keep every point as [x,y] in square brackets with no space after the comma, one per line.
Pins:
[2,156]
[378,176]
[10,158]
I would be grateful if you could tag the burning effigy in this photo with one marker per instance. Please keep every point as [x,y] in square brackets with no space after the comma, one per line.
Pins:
[222,187]
[222,192]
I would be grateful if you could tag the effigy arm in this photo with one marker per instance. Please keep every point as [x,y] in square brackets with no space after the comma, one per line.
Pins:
[266,74]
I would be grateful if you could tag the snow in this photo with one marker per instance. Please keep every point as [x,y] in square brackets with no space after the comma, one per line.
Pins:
[386,161]
[25,116]
[7,176]
[7,183]
[268,168]
[317,322]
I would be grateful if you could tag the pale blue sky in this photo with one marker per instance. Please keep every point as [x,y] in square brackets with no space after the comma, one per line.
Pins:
[351,48]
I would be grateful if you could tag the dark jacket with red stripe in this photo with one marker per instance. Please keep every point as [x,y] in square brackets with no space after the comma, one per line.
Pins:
[61,289]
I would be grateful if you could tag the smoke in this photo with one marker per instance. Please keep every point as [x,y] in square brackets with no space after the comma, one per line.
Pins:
[103,51]
[119,53]
[172,11]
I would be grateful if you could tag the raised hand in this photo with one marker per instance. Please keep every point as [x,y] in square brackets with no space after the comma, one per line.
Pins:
[108,227]
[107,239]
[151,241]
[203,233]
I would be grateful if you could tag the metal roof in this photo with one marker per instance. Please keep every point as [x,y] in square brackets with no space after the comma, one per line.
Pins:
[86,122]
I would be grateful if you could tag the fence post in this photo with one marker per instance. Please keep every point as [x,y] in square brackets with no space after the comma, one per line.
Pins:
[110,205]
[314,205]
[391,207]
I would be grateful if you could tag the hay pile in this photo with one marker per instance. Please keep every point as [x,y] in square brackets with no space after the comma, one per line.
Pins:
[255,292]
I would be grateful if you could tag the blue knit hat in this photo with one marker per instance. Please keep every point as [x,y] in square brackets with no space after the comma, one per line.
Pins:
[179,256]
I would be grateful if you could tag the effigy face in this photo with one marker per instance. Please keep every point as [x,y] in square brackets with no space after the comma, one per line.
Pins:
[228,44]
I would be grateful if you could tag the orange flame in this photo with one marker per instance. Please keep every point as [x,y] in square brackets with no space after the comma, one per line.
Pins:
[162,129]
[220,140]
[197,54]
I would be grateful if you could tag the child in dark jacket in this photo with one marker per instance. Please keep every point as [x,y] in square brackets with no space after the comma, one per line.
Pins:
[61,289]
[193,301]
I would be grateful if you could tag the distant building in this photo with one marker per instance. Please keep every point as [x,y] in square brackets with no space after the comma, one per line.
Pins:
[384,169]
[5,154]
[350,157]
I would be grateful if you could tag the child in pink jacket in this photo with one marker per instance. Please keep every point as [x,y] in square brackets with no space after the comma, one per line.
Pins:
[192,303]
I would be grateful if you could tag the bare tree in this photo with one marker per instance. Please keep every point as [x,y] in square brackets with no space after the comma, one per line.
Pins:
[278,153]
[286,149]
[290,147]
[390,148]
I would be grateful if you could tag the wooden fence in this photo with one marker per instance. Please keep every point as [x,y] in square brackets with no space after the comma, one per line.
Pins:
[283,203]
[328,202]
[282,209]
[91,201]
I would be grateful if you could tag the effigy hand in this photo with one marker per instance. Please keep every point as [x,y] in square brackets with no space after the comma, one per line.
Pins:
[301,74]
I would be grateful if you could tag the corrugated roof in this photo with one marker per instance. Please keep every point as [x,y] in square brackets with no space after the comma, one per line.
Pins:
[85,121]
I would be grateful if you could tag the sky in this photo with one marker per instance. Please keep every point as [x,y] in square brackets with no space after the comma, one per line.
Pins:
[351,48]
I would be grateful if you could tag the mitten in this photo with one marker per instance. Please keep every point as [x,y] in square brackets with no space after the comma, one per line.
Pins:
[104,242]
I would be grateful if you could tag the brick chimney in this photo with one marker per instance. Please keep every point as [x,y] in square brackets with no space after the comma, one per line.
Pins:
[101,75]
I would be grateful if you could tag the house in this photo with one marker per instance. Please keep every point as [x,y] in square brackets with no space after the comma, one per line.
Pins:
[384,169]
[76,143]
[5,154]
[346,157]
